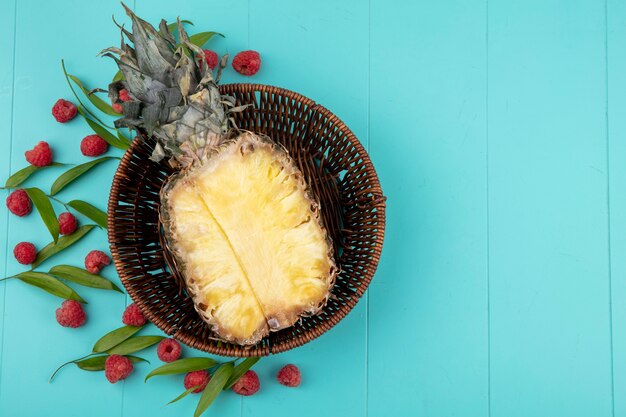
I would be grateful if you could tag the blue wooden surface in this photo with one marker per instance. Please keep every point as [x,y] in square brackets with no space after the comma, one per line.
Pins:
[498,133]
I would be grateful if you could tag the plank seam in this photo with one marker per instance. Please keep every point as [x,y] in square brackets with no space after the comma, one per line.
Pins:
[8,223]
[608,200]
[488,232]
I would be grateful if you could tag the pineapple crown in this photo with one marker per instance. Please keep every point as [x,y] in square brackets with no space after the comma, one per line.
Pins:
[173,97]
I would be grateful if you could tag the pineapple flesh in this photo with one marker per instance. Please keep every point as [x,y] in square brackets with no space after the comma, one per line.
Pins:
[238,216]
[249,240]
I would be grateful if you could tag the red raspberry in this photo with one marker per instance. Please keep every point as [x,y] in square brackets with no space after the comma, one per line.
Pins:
[19,203]
[64,111]
[197,379]
[117,107]
[40,155]
[133,316]
[25,253]
[289,376]
[93,145]
[247,62]
[67,223]
[71,314]
[96,260]
[211,58]
[117,367]
[168,350]
[123,95]
[248,384]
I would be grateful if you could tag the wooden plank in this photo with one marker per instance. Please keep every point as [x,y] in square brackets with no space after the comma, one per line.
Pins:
[318,49]
[7,38]
[616,100]
[35,344]
[549,280]
[428,302]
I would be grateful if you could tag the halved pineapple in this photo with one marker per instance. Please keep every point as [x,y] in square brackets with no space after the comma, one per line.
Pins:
[249,239]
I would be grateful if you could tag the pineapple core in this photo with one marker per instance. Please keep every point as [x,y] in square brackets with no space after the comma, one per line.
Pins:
[248,236]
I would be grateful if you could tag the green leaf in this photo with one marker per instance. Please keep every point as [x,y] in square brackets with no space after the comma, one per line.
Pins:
[172,27]
[100,104]
[94,213]
[123,138]
[101,131]
[82,277]
[239,370]
[182,366]
[214,387]
[81,108]
[73,173]
[53,248]
[114,338]
[135,344]
[96,363]
[119,76]
[184,394]
[44,207]
[24,173]
[199,39]
[49,284]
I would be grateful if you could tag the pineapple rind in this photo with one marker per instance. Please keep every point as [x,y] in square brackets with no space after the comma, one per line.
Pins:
[249,240]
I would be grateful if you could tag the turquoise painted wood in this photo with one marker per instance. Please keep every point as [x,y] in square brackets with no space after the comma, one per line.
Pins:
[616,181]
[548,220]
[498,133]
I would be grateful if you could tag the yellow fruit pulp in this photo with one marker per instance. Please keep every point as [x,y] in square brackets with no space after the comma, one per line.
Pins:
[255,255]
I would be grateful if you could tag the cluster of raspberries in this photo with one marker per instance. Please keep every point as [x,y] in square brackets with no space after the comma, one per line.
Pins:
[245,62]
[25,253]
[248,384]
[41,155]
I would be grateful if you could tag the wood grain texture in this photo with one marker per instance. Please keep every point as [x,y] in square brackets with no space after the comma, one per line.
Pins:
[616,150]
[428,138]
[7,43]
[497,131]
[549,279]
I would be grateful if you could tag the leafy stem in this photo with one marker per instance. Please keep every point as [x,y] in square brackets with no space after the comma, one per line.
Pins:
[68,363]
[58,201]
[67,78]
